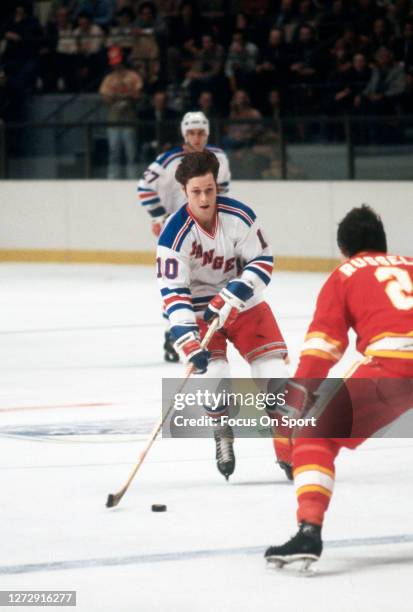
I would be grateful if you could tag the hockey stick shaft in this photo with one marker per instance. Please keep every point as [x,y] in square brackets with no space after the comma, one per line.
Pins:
[114,498]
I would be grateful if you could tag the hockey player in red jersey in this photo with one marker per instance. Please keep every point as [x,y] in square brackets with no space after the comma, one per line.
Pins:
[214,261]
[372,293]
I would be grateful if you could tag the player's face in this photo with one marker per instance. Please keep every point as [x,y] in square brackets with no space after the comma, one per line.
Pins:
[201,192]
[196,139]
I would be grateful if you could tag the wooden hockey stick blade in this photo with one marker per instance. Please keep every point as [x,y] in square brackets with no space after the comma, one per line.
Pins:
[114,498]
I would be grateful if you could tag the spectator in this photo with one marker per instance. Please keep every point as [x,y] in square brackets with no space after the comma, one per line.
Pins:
[100,11]
[403,47]
[352,85]
[382,35]
[241,63]
[383,92]
[159,129]
[120,90]
[185,35]
[332,22]
[121,34]
[247,125]
[72,6]
[303,72]
[206,104]
[21,40]
[272,69]
[149,30]
[272,107]
[59,60]
[206,71]
[90,57]
[287,18]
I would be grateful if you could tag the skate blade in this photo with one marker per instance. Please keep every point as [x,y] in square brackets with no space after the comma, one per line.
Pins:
[302,564]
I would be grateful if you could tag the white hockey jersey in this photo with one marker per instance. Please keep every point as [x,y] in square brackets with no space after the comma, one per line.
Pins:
[158,190]
[193,265]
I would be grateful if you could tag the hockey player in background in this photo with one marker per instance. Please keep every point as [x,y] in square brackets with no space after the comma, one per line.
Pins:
[213,260]
[372,293]
[160,193]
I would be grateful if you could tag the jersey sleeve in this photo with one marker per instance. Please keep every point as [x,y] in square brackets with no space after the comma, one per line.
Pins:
[174,277]
[327,336]
[148,189]
[255,251]
[224,174]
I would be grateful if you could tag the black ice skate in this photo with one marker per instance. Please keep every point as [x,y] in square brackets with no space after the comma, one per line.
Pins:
[170,353]
[288,469]
[306,546]
[224,441]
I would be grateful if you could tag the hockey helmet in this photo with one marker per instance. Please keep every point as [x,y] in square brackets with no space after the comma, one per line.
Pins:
[194,121]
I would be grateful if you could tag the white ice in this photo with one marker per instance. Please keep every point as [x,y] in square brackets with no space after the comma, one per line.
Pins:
[80,372]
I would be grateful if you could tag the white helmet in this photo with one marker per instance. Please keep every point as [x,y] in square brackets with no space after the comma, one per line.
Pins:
[194,121]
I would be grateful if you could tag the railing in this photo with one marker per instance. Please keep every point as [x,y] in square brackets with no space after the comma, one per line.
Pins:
[300,148]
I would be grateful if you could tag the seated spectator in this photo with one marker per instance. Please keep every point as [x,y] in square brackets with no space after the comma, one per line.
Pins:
[382,35]
[120,91]
[241,63]
[303,71]
[272,68]
[100,11]
[159,130]
[90,58]
[287,18]
[207,69]
[72,7]
[403,47]
[332,22]
[58,60]
[383,92]
[206,104]
[149,32]
[305,16]
[247,122]
[352,85]
[184,37]
[121,33]
[272,106]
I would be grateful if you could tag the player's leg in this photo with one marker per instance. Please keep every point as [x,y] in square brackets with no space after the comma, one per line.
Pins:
[218,377]
[258,338]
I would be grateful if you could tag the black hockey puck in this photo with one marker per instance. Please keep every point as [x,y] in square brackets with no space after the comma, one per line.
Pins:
[158,508]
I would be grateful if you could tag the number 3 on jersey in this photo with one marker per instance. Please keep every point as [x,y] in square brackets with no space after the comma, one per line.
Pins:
[399,286]
[169,268]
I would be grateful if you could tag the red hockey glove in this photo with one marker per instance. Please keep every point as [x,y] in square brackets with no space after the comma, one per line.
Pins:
[158,223]
[189,348]
[228,303]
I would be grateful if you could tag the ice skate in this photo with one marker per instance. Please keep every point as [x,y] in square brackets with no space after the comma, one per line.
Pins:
[224,441]
[304,548]
[170,354]
[287,468]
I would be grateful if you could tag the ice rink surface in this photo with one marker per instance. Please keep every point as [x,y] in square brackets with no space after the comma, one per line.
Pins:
[81,368]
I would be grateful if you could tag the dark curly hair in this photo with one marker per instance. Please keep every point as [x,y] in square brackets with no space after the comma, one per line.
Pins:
[196,164]
[361,230]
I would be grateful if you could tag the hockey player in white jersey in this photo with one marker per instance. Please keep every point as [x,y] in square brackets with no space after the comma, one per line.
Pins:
[213,261]
[159,192]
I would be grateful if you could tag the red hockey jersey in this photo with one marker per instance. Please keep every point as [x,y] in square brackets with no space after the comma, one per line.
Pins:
[371,293]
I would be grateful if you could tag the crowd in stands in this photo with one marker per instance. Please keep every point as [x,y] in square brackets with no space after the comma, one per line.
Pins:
[242,59]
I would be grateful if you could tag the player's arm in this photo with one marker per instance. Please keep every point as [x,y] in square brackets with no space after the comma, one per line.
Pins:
[224,174]
[327,336]
[173,277]
[148,194]
[255,276]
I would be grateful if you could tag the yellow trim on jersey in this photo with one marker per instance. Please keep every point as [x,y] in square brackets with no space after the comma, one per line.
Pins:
[392,354]
[313,489]
[282,440]
[318,353]
[313,467]
[393,334]
[325,337]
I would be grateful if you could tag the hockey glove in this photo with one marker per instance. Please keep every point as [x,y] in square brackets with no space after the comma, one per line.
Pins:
[158,223]
[228,303]
[189,348]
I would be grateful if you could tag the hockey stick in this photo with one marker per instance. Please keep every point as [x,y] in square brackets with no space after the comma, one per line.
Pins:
[114,498]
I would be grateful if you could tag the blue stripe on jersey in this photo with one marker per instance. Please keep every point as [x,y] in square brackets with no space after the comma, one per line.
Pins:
[260,274]
[151,201]
[172,309]
[178,290]
[144,189]
[237,208]
[214,149]
[205,299]
[268,258]
[157,212]
[161,159]
[173,227]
